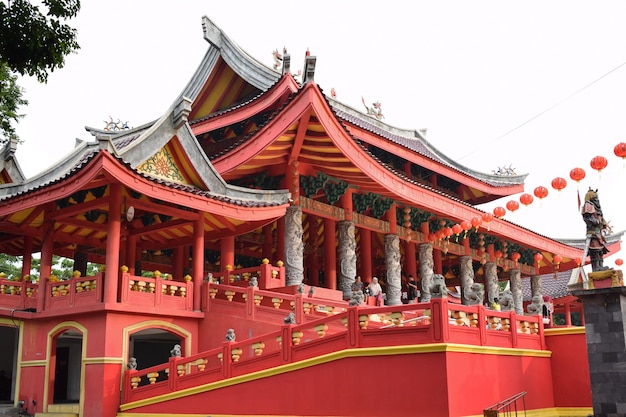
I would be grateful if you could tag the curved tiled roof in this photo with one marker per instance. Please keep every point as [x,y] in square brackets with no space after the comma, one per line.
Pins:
[416,142]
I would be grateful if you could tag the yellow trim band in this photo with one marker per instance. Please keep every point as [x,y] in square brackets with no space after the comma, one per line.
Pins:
[564,331]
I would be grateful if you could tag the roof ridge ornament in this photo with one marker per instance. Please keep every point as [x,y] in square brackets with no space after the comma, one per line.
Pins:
[375,111]
[180,115]
[308,74]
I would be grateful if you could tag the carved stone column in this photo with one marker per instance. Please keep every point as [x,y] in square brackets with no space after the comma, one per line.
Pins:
[346,255]
[427,265]
[294,247]
[515,279]
[466,275]
[536,287]
[392,265]
[491,281]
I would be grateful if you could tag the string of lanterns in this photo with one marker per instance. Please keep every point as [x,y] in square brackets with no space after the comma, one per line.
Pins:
[577,174]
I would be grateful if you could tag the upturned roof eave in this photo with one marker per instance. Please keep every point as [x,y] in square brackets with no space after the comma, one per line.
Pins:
[413,135]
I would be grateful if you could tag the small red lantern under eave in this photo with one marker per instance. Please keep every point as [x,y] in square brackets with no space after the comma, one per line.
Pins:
[619,262]
[515,257]
[538,257]
[457,229]
[620,150]
[559,183]
[557,259]
[598,163]
[476,222]
[487,218]
[512,205]
[526,199]
[499,212]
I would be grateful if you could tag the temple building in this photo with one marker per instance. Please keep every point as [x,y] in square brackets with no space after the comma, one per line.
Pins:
[229,233]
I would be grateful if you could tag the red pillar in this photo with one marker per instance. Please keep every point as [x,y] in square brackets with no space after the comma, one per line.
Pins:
[198,260]
[312,259]
[267,242]
[410,262]
[391,218]
[345,201]
[27,255]
[366,254]
[568,314]
[45,266]
[227,256]
[112,264]
[330,255]
[438,267]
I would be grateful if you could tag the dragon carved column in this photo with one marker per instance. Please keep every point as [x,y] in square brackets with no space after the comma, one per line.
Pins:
[491,281]
[392,265]
[536,288]
[515,279]
[294,247]
[346,255]
[426,266]
[466,275]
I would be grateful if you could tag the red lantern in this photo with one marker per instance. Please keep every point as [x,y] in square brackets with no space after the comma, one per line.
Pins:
[599,163]
[557,259]
[577,174]
[498,254]
[541,192]
[538,257]
[476,222]
[447,231]
[619,262]
[457,229]
[526,199]
[512,205]
[559,183]
[578,261]
[439,234]
[487,217]
[620,150]
[499,212]
[465,225]
[515,257]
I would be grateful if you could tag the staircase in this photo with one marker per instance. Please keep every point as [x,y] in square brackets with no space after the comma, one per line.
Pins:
[60,410]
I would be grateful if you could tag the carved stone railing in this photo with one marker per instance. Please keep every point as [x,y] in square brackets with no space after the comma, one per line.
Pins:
[156,292]
[267,276]
[18,294]
[320,333]
[74,292]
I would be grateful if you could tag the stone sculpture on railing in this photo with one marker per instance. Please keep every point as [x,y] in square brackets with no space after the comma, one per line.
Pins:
[254,282]
[356,298]
[438,289]
[506,301]
[175,352]
[132,364]
[474,294]
[536,306]
[290,319]
[230,335]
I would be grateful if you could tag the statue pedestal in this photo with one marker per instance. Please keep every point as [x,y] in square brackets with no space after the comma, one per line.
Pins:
[606,279]
[605,315]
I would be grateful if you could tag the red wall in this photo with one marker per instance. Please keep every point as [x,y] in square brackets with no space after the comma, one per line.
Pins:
[570,367]
[426,384]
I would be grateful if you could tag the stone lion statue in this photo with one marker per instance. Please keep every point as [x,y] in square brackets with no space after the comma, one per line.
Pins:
[290,319]
[175,352]
[438,289]
[474,294]
[535,306]
[506,300]
[356,298]
[230,335]
[132,364]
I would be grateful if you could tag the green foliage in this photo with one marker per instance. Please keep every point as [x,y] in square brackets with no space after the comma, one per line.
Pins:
[33,42]
[10,101]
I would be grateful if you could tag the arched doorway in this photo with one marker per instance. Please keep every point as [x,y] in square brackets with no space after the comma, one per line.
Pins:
[152,346]
[8,362]
[66,367]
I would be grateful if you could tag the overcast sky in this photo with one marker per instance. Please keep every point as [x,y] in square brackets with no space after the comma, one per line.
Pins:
[537,85]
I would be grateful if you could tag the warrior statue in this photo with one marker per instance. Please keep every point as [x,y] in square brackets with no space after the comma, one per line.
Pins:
[597,228]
